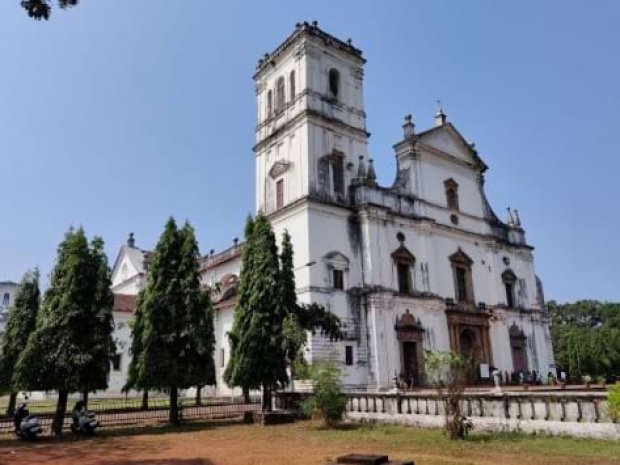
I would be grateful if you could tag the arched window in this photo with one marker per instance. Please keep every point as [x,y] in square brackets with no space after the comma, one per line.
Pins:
[461,271]
[337,265]
[292,85]
[6,299]
[404,262]
[269,103]
[280,95]
[452,194]
[509,279]
[334,83]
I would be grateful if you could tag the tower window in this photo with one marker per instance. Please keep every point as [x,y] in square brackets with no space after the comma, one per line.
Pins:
[338,279]
[279,194]
[452,194]
[334,83]
[338,174]
[222,358]
[509,279]
[116,362]
[348,355]
[510,294]
[404,281]
[269,103]
[280,95]
[292,85]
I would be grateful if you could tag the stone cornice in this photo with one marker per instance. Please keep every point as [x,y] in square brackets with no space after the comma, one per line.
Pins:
[305,30]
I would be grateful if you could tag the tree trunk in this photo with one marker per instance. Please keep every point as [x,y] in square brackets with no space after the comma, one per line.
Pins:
[61,408]
[85,398]
[174,406]
[266,399]
[198,395]
[145,400]
[10,409]
[246,395]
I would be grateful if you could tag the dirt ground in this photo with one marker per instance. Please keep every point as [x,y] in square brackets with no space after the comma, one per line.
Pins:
[304,444]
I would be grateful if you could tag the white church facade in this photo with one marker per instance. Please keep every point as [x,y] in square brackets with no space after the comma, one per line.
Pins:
[422,264]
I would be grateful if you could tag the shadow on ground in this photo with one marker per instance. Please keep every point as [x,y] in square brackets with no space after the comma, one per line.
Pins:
[160,462]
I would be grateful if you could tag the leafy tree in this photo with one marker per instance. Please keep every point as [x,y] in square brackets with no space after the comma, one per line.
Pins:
[327,401]
[613,400]
[174,321]
[586,338]
[42,9]
[21,322]
[447,371]
[67,352]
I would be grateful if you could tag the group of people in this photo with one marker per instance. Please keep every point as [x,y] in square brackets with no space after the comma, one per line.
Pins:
[532,378]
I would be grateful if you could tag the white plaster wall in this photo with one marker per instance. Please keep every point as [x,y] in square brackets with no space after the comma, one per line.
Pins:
[435,170]
[122,338]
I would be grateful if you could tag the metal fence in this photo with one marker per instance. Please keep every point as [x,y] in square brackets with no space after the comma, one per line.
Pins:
[128,413]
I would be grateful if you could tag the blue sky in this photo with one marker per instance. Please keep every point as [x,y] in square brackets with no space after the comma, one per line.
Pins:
[119,113]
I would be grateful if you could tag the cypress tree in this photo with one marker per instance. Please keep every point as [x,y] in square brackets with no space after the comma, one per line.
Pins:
[258,353]
[70,347]
[21,322]
[137,331]
[300,319]
[232,375]
[197,315]
[174,328]
[102,322]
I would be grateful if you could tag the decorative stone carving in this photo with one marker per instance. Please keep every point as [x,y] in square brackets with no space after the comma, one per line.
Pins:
[278,168]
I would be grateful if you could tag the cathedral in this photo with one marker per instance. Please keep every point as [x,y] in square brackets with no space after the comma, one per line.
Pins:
[422,264]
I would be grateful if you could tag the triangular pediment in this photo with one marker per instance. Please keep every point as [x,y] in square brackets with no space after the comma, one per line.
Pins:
[128,264]
[402,254]
[278,168]
[449,141]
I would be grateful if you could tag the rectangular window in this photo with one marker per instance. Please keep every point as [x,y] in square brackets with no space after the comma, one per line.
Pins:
[510,300]
[222,358]
[348,355]
[338,173]
[323,171]
[404,283]
[461,284]
[279,194]
[116,362]
[338,279]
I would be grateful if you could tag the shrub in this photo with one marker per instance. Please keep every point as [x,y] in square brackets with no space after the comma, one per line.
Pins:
[328,401]
[613,400]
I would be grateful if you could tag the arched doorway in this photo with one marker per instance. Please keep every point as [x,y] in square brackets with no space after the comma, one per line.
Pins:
[409,333]
[518,345]
[467,342]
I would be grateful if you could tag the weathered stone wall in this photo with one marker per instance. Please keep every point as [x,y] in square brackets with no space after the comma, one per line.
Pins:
[578,414]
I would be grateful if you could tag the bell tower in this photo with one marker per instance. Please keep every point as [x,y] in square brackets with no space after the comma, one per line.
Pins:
[311,124]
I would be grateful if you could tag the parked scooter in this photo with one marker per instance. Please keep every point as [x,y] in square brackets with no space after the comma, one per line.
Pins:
[83,421]
[27,427]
